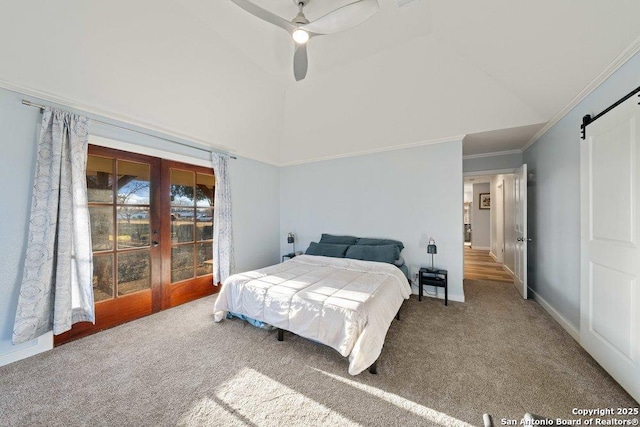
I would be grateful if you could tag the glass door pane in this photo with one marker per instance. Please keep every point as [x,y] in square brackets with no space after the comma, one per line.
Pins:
[101,219]
[183,220]
[205,261]
[191,195]
[99,179]
[205,190]
[133,204]
[102,277]
[100,196]
[119,196]
[133,183]
[181,263]
[133,227]
[134,272]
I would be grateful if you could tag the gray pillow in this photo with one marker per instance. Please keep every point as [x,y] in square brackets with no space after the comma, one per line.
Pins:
[383,253]
[399,262]
[378,242]
[338,240]
[325,249]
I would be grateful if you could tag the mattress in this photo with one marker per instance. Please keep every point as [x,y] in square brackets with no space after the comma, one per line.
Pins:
[343,303]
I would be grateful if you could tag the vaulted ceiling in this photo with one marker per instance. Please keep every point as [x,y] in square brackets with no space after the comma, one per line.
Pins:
[206,70]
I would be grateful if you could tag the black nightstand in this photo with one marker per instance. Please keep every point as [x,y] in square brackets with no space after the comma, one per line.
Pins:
[434,277]
[290,256]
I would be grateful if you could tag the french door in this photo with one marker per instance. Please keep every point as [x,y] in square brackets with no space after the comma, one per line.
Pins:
[152,234]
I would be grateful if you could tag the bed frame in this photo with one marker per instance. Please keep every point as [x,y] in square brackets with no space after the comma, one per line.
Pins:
[373,369]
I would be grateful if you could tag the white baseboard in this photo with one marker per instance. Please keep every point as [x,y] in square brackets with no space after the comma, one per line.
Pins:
[22,351]
[431,289]
[481,248]
[508,270]
[572,330]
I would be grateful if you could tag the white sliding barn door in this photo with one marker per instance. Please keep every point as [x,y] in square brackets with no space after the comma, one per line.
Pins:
[610,257]
[520,189]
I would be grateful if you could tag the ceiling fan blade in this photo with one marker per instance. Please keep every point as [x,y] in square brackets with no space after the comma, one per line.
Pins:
[300,62]
[344,17]
[265,15]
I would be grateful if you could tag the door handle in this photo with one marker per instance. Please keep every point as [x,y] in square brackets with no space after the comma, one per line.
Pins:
[529,239]
[155,243]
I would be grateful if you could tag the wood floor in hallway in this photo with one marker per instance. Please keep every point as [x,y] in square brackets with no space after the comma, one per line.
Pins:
[479,265]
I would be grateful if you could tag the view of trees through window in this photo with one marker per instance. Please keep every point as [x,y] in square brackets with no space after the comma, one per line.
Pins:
[191,224]
[119,202]
[120,206]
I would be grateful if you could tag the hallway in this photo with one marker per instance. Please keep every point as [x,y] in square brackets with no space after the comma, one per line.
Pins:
[479,265]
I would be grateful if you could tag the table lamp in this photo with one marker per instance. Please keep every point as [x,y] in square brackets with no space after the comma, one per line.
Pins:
[291,239]
[432,249]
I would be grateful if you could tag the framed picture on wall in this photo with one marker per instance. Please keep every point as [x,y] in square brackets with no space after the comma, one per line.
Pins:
[485,201]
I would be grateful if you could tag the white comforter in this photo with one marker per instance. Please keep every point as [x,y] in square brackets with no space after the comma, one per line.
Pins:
[344,303]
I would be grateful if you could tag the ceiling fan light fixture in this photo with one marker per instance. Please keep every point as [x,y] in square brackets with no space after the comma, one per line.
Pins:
[301,29]
[300,36]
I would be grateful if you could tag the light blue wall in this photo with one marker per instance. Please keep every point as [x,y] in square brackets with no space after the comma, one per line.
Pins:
[501,162]
[256,213]
[255,194]
[18,127]
[554,198]
[408,195]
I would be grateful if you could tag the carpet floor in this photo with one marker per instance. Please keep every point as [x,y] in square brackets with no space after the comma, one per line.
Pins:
[495,354]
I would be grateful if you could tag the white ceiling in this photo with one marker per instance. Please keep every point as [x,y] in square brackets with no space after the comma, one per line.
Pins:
[495,70]
[469,181]
[499,140]
[146,61]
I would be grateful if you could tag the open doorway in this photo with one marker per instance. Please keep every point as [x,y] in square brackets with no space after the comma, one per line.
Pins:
[489,214]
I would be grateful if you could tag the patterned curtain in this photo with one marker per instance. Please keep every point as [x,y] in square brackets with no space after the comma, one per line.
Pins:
[223,262]
[56,289]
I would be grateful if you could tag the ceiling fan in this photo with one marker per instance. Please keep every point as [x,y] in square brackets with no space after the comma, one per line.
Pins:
[301,29]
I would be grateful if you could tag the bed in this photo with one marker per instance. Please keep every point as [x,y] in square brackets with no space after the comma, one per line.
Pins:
[345,303]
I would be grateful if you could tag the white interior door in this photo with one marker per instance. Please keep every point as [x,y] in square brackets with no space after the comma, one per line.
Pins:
[610,257]
[520,189]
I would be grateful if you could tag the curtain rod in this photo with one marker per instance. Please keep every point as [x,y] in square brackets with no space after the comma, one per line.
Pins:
[42,107]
